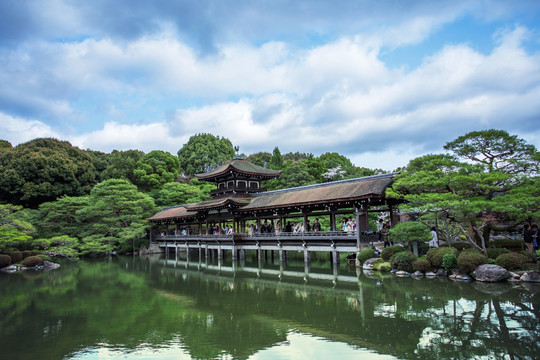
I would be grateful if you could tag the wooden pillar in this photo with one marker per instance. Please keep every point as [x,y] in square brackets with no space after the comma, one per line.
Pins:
[394,218]
[333,221]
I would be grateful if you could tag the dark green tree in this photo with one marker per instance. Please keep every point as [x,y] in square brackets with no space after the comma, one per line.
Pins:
[122,165]
[57,218]
[115,217]
[260,159]
[42,170]
[175,193]
[204,152]
[5,145]
[156,169]
[15,230]
[101,161]
[276,161]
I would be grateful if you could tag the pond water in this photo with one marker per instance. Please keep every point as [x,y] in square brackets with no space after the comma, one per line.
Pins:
[156,308]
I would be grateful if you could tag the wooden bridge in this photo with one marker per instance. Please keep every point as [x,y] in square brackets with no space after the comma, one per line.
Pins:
[265,244]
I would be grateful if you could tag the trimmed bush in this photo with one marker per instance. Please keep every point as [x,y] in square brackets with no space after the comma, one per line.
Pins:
[366,254]
[510,244]
[382,266]
[44,257]
[5,260]
[512,261]
[423,248]
[421,265]
[390,251]
[403,261]
[449,261]
[27,253]
[435,255]
[32,261]
[16,256]
[494,253]
[461,245]
[529,255]
[468,261]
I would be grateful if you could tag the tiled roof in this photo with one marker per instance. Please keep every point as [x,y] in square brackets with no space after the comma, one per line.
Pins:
[175,212]
[338,191]
[240,166]
[219,203]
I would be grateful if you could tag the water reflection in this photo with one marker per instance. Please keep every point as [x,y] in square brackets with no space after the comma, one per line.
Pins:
[171,308]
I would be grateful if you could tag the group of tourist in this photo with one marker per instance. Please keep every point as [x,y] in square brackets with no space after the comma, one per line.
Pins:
[530,236]
[295,228]
[348,224]
[383,230]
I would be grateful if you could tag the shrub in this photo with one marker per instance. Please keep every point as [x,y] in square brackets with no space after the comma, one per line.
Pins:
[382,266]
[510,244]
[390,251]
[366,254]
[461,245]
[421,265]
[449,261]
[32,261]
[27,253]
[423,248]
[5,260]
[435,255]
[44,257]
[494,253]
[511,261]
[16,256]
[468,261]
[529,255]
[403,261]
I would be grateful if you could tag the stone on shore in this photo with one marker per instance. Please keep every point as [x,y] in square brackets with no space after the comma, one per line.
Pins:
[530,276]
[368,264]
[490,273]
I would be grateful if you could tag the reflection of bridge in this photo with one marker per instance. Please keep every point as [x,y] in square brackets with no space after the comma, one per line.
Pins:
[209,246]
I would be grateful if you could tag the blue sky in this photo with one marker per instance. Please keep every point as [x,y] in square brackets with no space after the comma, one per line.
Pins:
[381,82]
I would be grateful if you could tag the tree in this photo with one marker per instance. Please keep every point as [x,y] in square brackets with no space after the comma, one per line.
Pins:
[276,161]
[122,164]
[204,152]
[260,159]
[5,145]
[295,174]
[489,191]
[101,161]
[294,157]
[42,170]
[156,169]
[14,230]
[175,193]
[57,218]
[115,217]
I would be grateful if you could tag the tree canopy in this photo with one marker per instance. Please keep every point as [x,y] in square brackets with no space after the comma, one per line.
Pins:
[42,170]
[204,152]
[155,169]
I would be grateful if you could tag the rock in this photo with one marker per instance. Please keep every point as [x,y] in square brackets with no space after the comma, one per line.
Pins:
[417,274]
[143,251]
[47,265]
[431,274]
[490,273]
[9,269]
[393,271]
[368,264]
[441,272]
[530,276]
[463,278]
[403,273]
[452,276]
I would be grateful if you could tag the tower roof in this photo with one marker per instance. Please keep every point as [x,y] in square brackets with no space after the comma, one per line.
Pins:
[240,166]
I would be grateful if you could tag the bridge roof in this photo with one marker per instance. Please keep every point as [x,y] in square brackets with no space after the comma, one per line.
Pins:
[219,203]
[239,166]
[175,212]
[326,193]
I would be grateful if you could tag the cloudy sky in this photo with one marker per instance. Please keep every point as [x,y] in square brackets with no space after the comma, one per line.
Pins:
[378,81]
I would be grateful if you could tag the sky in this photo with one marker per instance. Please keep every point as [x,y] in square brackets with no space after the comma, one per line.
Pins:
[381,82]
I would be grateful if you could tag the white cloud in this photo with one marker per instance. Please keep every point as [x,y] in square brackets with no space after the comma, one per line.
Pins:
[18,130]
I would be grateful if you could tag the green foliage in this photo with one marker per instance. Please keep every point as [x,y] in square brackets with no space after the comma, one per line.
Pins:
[44,257]
[382,266]
[60,217]
[32,261]
[15,230]
[421,265]
[366,254]
[295,174]
[177,193]
[494,253]
[295,157]
[261,159]
[512,261]
[42,170]
[468,261]
[435,255]
[5,145]
[115,217]
[100,160]
[531,258]
[410,231]
[122,165]
[5,260]
[276,161]
[510,244]
[449,262]
[204,152]
[403,261]
[156,169]
[389,251]
[27,253]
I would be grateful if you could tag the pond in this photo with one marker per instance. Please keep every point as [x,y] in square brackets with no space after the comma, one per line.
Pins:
[157,308]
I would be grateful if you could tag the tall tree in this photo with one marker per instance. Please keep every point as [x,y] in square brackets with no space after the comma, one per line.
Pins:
[122,164]
[156,169]
[261,159]
[42,170]
[204,152]
[276,161]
